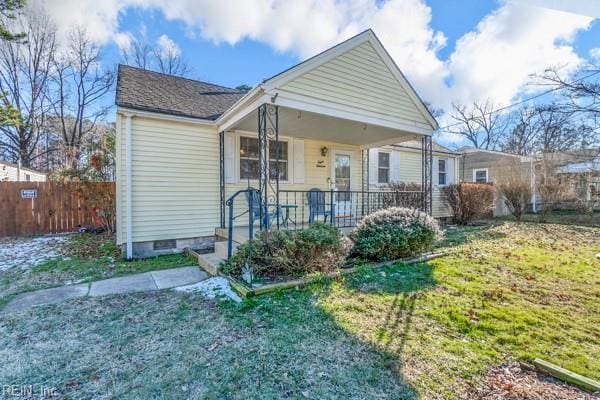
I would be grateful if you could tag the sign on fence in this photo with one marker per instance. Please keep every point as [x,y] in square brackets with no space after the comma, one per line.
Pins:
[33,208]
[28,193]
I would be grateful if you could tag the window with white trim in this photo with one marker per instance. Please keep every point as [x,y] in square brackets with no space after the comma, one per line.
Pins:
[383,167]
[249,166]
[442,172]
[480,175]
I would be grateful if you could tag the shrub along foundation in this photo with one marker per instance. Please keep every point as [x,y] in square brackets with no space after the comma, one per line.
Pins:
[245,290]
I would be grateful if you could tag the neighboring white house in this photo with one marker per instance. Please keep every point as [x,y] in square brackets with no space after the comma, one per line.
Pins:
[10,172]
[187,151]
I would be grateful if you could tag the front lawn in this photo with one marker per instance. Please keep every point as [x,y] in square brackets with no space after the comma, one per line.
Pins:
[426,331]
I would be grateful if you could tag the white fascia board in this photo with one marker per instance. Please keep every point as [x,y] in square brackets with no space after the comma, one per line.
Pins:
[164,117]
[234,109]
[235,117]
[317,106]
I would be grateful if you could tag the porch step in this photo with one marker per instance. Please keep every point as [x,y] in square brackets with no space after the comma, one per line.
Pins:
[209,262]
[240,235]
[221,248]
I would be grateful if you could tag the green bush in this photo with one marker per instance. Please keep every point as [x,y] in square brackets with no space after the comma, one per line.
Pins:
[394,233]
[281,253]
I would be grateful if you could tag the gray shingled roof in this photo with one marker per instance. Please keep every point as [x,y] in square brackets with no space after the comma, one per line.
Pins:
[152,91]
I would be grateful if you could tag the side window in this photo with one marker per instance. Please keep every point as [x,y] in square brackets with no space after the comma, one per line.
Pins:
[480,175]
[442,173]
[383,171]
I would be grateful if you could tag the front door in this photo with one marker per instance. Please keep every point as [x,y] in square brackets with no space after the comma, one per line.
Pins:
[342,165]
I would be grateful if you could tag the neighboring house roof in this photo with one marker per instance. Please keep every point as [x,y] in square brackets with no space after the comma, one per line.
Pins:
[416,145]
[33,171]
[467,150]
[589,166]
[167,94]
[571,156]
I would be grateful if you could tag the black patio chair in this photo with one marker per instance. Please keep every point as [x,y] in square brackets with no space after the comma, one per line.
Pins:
[317,205]
[253,199]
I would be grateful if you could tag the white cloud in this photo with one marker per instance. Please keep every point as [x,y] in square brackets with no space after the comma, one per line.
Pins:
[497,59]
[595,54]
[493,61]
[167,46]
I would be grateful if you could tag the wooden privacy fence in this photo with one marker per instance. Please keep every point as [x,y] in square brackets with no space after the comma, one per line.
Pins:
[30,208]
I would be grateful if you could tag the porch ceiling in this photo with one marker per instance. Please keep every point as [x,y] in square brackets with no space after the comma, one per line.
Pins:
[309,125]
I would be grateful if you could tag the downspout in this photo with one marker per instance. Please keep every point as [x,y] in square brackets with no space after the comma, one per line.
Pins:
[129,207]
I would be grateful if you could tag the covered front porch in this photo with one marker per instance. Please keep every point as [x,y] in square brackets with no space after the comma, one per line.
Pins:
[286,168]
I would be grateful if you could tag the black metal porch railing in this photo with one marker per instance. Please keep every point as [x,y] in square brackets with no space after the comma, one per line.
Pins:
[342,209]
[298,209]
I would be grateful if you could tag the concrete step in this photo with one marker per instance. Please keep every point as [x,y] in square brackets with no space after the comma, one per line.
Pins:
[240,234]
[210,262]
[221,248]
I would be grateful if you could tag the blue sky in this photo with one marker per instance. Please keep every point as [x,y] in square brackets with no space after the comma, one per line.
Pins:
[451,50]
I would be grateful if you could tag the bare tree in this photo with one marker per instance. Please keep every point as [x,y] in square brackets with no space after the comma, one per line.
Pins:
[582,92]
[164,58]
[480,124]
[521,138]
[80,85]
[25,69]
[168,60]
[138,54]
[515,186]
[559,130]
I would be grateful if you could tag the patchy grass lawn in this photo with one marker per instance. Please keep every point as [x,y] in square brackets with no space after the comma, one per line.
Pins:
[427,331]
[85,258]
[561,217]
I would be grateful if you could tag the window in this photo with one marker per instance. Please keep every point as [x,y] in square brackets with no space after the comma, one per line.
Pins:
[249,167]
[442,173]
[480,175]
[283,160]
[27,177]
[383,167]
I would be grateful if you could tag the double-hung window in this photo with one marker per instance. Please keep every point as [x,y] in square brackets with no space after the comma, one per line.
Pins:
[383,167]
[480,175]
[249,165]
[442,172]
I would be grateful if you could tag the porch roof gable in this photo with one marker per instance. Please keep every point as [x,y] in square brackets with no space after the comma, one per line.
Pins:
[356,80]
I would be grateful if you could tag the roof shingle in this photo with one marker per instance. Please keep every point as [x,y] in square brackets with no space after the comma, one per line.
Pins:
[156,92]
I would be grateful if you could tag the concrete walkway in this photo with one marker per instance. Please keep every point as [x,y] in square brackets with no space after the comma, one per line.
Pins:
[147,281]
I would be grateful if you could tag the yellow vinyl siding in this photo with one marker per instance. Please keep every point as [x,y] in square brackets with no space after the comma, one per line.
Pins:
[410,172]
[175,180]
[359,79]
[314,177]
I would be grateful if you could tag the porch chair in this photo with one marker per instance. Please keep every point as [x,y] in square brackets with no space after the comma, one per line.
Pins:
[253,199]
[317,205]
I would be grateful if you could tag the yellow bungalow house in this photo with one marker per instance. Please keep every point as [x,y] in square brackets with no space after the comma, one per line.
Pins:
[200,165]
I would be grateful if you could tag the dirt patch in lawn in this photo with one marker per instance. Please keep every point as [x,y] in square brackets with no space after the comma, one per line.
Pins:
[513,381]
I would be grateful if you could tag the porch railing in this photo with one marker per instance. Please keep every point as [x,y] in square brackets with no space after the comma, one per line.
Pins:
[298,209]
[340,208]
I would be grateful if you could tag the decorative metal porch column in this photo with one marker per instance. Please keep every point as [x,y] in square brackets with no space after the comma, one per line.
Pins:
[427,170]
[268,185]
[222,176]
[364,155]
